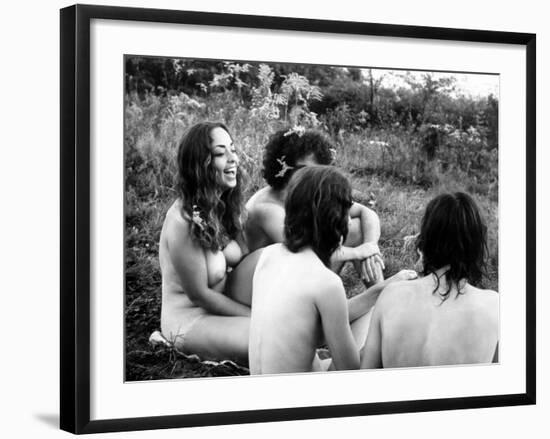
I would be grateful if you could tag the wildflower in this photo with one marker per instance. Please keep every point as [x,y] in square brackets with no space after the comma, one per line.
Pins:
[378,143]
[296,129]
[284,167]
[196,218]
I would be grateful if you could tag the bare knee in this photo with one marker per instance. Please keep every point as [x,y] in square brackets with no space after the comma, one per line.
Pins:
[355,235]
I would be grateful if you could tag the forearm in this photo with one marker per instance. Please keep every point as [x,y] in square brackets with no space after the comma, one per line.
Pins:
[343,254]
[362,303]
[219,304]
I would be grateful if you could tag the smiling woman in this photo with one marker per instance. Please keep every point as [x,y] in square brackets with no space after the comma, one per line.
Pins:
[225,159]
[200,242]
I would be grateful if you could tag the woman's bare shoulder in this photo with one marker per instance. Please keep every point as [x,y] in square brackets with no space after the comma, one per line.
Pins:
[262,198]
[483,298]
[175,221]
[401,293]
[326,281]
[481,294]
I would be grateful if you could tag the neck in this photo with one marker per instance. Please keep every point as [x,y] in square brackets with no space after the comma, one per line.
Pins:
[440,274]
[279,195]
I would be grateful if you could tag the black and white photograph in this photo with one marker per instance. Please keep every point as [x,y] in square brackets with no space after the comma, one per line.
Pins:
[275,219]
[298,218]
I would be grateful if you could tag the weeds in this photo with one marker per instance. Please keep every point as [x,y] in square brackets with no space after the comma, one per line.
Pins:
[400,166]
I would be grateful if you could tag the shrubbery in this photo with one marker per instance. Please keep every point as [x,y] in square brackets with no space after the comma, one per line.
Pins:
[400,146]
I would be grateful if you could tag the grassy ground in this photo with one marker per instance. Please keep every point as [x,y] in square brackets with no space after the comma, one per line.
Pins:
[400,182]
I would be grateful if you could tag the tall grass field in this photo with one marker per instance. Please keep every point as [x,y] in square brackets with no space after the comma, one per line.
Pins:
[400,145]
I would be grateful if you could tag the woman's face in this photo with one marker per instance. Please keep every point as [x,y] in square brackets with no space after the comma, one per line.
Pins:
[224,158]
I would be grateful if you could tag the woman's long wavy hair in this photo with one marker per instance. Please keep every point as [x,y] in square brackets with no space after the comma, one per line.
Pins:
[215,216]
[453,233]
[317,208]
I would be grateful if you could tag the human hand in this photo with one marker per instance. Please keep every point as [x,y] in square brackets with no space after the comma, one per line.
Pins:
[404,275]
[366,250]
[368,269]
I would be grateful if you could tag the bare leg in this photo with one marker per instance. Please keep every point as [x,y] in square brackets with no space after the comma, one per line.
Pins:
[360,330]
[355,236]
[354,239]
[217,338]
[239,285]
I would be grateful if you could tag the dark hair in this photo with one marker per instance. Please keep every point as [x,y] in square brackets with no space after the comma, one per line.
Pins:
[453,233]
[316,210]
[287,147]
[215,217]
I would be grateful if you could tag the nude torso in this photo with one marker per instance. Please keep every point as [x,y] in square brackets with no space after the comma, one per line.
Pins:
[262,204]
[175,301]
[285,327]
[417,329]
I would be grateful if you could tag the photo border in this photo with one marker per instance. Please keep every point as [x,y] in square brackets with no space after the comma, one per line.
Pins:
[75,217]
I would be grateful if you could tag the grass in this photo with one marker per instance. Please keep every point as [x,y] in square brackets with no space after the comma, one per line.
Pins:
[387,163]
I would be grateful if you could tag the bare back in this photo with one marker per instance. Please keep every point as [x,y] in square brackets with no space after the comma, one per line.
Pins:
[292,305]
[412,326]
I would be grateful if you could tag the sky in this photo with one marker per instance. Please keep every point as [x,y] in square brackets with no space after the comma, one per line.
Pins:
[469,84]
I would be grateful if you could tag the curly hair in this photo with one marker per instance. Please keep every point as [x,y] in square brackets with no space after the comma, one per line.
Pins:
[215,217]
[286,147]
[317,207]
[453,233]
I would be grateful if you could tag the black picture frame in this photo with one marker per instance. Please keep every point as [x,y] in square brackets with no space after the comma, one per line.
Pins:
[75,217]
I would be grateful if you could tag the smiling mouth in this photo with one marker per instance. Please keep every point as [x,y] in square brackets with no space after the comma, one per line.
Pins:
[231,172]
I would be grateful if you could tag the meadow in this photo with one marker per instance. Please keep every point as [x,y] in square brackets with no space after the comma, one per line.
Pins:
[396,165]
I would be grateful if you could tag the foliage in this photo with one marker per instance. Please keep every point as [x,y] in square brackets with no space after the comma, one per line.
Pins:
[402,145]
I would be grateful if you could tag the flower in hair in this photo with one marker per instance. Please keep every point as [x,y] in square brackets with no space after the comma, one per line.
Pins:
[284,167]
[196,218]
[332,154]
[296,129]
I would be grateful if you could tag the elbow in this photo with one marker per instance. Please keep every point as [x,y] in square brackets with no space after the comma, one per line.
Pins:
[199,299]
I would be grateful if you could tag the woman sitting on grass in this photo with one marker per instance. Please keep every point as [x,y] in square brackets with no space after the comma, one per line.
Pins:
[441,318]
[199,243]
[298,301]
[285,153]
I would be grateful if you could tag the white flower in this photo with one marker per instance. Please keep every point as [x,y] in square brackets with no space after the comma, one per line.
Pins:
[196,218]
[284,167]
[296,129]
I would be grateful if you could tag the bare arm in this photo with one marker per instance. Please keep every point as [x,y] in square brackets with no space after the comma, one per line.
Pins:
[241,241]
[366,250]
[332,307]
[190,263]
[272,222]
[365,228]
[361,244]
[361,303]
